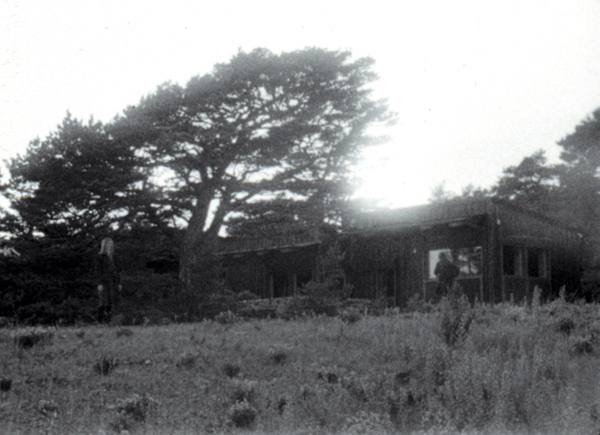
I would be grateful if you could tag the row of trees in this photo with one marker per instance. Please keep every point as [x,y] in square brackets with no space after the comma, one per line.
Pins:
[265,142]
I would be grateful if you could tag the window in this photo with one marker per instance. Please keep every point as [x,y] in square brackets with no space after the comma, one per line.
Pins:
[434,256]
[536,263]
[468,260]
[511,260]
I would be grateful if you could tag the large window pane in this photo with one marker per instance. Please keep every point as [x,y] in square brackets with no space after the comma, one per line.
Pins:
[468,260]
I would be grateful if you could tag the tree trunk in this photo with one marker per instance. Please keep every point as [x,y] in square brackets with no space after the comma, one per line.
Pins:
[198,263]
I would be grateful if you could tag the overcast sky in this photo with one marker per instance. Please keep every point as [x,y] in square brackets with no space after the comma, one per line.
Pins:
[477,84]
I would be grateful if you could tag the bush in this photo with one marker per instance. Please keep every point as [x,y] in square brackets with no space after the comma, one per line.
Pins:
[215,304]
[242,415]
[186,361]
[329,287]
[350,315]
[28,338]
[5,384]
[124,332]
[131,412]
[243,390]
[457,316]
[277,356]
[246,295]
[105,365]
[231,370]
[583,345]
[227,318]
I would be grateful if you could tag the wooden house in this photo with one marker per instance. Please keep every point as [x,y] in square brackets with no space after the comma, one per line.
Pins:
[502,251]
[269,267]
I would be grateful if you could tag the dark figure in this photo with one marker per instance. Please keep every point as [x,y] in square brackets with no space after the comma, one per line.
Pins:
[110,283]
[446,272]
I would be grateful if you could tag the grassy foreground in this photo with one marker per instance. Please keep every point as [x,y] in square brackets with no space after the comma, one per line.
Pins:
[499,369]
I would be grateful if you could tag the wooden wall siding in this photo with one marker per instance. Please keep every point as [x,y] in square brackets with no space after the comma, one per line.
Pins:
[519,228]
[254,244]
[271,273]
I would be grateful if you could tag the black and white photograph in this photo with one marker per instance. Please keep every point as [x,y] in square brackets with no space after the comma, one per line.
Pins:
[301,217]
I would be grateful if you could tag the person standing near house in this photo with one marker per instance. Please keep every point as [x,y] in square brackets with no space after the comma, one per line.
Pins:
[109,287]
[446,272]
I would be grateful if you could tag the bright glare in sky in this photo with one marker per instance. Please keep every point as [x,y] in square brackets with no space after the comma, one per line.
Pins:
[477,84]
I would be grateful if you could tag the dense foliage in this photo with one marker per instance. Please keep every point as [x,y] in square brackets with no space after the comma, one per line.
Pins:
[261,126]
[262,132]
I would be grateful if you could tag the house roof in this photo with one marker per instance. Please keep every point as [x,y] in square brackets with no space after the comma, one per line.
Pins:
[236,245]
[454,211]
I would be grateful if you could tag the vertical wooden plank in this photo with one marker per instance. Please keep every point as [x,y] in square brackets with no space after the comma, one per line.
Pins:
[395,284]
[525,266]
[502,279]
[492,280]
[294,284]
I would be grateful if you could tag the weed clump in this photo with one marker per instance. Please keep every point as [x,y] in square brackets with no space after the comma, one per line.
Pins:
[48,408]
[242,414]
[131,412]
[582,345]
[277,356]
[28,338]
[227,318]
[231,370]
[124,332]
[565,326]
[243,390]
[186,361]
[5,385]
[350,315]
[330,378]
[457,316]
[105,365]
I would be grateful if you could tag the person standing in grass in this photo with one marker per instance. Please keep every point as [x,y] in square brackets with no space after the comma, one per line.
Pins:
[109,287]
[446,272]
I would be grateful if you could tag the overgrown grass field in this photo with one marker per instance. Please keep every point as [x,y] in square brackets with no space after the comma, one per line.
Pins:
[455,369]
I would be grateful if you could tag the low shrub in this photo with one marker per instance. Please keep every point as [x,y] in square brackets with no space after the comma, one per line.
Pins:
[124,332]
[186,361]
[277,356]
[350,315]
[242,415]
[243,390]
[582,345]
[217,303]
[227,318]
[565,326]
[5,385]
[246,295]
[28,338]
[131,412]
[48,408]
[105,365]
[231,370]
[457,315]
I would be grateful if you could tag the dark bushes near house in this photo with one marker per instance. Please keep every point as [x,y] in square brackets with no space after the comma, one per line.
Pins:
[215,304]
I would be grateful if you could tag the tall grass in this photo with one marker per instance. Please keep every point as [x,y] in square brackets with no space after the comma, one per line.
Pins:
[513,369]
